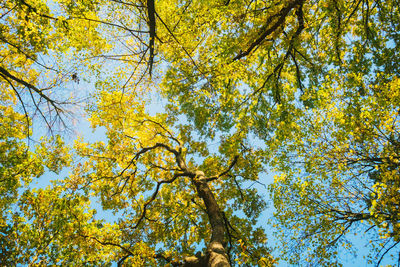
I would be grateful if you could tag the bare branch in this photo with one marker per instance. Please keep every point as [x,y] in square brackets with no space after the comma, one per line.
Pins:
[387,250]
[52,102]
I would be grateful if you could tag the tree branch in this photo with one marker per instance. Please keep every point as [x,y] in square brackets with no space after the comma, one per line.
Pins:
[215,177]
[266,30]
[152,30]
[52,102]
[154,195]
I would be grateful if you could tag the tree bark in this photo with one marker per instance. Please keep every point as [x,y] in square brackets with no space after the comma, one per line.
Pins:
[215,255]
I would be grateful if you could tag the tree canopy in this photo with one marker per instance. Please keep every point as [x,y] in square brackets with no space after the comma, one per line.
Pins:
[307,90]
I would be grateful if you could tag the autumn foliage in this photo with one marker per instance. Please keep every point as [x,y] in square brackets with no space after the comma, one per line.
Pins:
[193,104]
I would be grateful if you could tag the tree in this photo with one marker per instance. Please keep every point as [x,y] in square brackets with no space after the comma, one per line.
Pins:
[42,51]
[302,76]
[174,193]
[343,177]
[274,83]
[25,236]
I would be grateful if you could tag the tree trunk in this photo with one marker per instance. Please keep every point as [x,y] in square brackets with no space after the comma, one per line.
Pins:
[215,255]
